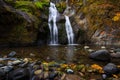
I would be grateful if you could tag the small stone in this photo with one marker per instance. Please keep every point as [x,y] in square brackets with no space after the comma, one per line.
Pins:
[9,63]
[26,60]
[7,68]
[12,54]
[32,55]
[46,75]
[104,76]
[38,62]
[90,70]
[86,47]
[16,62]
[90,50]
[103,47]
[37,72]
[111,50]
[1,65]
[117,50]
[36,67]
[52,75]
[81,74]
[63,77]
[23,65]
[115,55]
[13,59]
[70,71]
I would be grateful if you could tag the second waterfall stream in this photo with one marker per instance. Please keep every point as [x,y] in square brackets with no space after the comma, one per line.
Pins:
[69,30]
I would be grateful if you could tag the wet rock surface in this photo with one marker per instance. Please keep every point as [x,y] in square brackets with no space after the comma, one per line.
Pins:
[115,55]
[12,54]
[110,69]
[19,74]
[101,55]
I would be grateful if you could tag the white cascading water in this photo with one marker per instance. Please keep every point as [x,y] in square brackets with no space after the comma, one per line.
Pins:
[70,34]
[53,13]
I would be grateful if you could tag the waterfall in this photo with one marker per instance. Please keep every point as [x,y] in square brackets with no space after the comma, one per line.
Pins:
[70,34]
[53,13]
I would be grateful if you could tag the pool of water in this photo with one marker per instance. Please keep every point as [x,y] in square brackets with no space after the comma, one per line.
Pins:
[68,53]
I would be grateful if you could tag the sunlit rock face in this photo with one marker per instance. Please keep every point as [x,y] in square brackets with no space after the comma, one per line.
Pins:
[90,19]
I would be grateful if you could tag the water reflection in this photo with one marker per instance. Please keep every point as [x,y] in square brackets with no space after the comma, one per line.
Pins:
[54,51]
[70,53]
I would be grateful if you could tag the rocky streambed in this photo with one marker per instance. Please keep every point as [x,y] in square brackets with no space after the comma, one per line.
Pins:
[85,64]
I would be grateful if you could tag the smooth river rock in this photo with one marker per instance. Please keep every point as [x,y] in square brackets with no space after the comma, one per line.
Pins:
[19,74]
[110,68]
[101,55]
[115,55]
[12,54]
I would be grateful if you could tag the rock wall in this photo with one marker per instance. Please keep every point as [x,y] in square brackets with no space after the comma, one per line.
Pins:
[92,21]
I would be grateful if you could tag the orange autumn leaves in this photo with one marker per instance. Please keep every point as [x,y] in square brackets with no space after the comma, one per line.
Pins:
[97,68]
[116,17]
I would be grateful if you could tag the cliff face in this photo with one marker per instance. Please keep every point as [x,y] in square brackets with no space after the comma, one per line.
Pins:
[92,21]
[96,21]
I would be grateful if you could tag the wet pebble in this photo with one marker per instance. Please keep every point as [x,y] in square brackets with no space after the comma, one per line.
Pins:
[90,50]
[26,60]
[46,75]
[103,47]
[14,62]
[1,65]
[104,76]
[23,65]
[69,71]
[117,50]
[32,55]
[52,75]
[12,54]
[7,68]
[115,55]
[86,47]
[38,72]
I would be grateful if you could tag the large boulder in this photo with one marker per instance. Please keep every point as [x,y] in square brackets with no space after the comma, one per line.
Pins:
[101,55]
[111,68]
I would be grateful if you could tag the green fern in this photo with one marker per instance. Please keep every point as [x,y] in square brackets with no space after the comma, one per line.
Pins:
[39,5]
